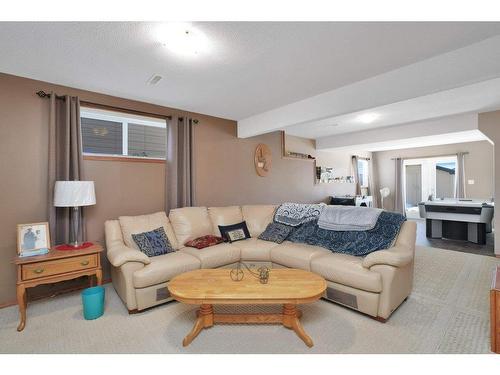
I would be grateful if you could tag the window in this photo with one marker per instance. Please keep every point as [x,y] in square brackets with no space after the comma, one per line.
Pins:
[363,172]
[110,133]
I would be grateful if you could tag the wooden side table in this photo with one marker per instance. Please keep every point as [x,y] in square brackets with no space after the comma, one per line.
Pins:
[495,311]
[54,267]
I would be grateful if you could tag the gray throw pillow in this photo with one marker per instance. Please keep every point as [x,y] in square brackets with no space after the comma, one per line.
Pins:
[276,232]
[153,243]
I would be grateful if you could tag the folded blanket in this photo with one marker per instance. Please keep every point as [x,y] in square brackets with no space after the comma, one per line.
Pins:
[295,214]
[357,243]
[348,218]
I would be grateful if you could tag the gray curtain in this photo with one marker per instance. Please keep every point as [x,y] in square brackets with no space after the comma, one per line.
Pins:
[373,183]
[355,173]
[180,168]
[65,163]
[399,198]
[460,176]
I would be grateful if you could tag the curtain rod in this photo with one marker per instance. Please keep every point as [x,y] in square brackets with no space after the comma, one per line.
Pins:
[43,94]
[362,157]
[428,157]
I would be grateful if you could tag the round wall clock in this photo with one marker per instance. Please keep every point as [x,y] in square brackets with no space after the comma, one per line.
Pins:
[262,160]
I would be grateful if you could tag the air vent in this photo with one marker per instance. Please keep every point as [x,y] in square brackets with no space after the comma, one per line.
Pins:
[154,79]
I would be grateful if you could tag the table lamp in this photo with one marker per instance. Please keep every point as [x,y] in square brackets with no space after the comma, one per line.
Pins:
[74,194]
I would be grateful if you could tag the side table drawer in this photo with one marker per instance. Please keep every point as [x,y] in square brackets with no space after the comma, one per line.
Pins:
[55,267]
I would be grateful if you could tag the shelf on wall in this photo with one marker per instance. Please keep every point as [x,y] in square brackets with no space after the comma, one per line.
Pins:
[296,158]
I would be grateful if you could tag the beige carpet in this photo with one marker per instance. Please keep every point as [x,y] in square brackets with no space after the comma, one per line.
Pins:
[446,313]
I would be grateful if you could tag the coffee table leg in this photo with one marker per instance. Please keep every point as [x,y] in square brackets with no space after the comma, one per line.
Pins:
[291,320]
[205,320]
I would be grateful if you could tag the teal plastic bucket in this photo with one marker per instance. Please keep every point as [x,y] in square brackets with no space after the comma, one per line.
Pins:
[93,302]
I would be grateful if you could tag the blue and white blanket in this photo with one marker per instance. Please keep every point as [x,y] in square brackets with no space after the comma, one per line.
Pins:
[295,214]
[356,243]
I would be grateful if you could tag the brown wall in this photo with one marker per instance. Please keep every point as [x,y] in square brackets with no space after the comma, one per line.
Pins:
[225,171]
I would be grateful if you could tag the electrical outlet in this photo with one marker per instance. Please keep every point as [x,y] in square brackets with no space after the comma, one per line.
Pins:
[470,182]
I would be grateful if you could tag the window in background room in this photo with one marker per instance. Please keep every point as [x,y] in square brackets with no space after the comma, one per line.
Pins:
[109,133]
[363,173]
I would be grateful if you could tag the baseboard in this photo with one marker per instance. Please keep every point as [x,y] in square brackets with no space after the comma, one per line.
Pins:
[69,290]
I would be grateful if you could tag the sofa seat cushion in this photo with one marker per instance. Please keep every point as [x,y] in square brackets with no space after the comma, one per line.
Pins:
[255,249]
[258,217]
[145,223]
[215,256]
[163,268]
[296,255]
[347,270]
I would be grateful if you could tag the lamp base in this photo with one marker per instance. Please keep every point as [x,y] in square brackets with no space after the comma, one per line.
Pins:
[71,247]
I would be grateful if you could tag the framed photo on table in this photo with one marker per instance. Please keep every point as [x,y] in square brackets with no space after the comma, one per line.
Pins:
[32,237]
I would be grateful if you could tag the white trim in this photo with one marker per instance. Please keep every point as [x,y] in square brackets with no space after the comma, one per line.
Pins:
[122,156]
[125,138]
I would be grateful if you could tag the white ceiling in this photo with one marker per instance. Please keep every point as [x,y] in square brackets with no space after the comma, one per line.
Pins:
[252,67]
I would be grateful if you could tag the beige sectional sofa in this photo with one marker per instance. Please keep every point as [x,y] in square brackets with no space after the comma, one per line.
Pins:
[375,285]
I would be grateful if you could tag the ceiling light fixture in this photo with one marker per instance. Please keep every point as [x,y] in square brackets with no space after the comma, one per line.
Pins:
[367,118]
[183,39]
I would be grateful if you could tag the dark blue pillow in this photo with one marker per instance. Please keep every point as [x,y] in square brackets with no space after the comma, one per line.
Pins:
[153,243]
[276,232]
[234,232]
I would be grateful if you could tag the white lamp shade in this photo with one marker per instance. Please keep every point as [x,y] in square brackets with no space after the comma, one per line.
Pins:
[74,193]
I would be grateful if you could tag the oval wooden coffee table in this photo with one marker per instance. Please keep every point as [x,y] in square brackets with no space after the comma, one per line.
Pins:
[208,287]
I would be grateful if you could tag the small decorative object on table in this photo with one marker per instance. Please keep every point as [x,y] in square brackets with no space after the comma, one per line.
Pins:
[33,239]
[262,273]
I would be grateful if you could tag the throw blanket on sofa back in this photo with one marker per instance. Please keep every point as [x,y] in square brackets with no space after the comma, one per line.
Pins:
[356,243]
[295,214]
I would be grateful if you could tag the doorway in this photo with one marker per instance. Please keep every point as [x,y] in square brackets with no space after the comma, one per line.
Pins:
[428,178]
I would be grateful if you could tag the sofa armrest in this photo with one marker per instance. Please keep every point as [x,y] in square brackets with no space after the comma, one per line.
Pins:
[120,255]
[397,256]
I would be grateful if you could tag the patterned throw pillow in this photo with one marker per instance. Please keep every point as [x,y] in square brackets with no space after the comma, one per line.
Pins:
[153,243]
[276,232]
[204,241]
[234,232]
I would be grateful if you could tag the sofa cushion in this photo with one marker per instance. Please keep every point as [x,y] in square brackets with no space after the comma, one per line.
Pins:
[255,249]
[215,256]
[163,268]
[144,223]
[347,270]
[153,243]
[257,217]
[276,232]
[204,241]
[190,223]
[224,216]
[234,232]
[296,255]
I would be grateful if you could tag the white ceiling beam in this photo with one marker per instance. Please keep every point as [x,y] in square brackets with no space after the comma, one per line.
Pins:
[475,63]
[452,128]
